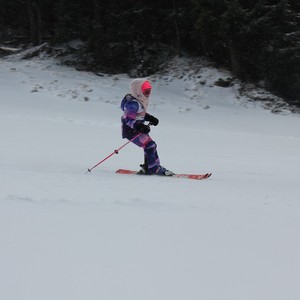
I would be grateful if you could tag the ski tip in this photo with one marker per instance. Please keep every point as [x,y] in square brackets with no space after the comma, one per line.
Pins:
[194,176]
[125,171]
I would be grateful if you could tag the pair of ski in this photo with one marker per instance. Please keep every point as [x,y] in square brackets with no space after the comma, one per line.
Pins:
[187,176]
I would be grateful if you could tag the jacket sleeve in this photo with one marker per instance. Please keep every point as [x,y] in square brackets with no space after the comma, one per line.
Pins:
[131,109]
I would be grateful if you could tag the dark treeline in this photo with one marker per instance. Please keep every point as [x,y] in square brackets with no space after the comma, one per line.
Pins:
[259,40]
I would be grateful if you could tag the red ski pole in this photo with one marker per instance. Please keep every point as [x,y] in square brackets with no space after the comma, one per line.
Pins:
[115,152]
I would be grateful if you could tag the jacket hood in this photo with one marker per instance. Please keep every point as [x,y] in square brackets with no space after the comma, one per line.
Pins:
[136,91]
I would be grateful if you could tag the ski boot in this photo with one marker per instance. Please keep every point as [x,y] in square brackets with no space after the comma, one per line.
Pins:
[144,170]
[164,172]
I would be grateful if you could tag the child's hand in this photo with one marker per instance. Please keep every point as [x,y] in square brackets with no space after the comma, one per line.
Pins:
[142,128]
[153,121]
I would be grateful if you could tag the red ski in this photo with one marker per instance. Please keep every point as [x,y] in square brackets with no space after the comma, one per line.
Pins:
[188,176]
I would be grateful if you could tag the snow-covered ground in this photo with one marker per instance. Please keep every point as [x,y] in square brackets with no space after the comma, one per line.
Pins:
[66,235]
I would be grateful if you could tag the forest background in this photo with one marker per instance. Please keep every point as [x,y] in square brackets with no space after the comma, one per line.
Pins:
[257,40]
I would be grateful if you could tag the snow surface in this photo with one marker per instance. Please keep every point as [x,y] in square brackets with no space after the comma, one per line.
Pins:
[66,235]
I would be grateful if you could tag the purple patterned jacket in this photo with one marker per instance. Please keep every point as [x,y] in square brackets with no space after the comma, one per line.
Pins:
[134,113]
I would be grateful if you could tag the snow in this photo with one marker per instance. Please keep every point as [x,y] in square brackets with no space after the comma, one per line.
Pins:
[66,235]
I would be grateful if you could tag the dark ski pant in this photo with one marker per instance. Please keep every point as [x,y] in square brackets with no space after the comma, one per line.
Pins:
[150,151]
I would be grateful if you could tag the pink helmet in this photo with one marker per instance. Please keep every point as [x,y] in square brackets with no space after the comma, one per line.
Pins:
[146,88]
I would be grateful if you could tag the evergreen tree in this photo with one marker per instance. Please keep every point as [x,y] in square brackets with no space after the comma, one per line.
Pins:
[258,39]
[280,63]
[208,35]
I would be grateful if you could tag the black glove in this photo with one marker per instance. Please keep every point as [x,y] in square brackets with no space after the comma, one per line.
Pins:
[142,128]
[153,121]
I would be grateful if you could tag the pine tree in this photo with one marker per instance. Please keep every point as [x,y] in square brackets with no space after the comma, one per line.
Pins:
[276,27]
[282,54]
[208,29]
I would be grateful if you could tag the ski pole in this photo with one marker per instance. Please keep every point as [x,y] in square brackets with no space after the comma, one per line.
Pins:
[115,152]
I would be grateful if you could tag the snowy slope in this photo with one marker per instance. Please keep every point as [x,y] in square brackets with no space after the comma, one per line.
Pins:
[67,235]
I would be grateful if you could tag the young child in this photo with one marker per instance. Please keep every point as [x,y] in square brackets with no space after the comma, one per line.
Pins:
[133,120]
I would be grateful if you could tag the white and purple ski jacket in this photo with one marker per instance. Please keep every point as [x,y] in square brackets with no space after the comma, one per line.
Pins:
[133,112]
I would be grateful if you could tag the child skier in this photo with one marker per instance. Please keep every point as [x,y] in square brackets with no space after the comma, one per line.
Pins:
[133,120]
